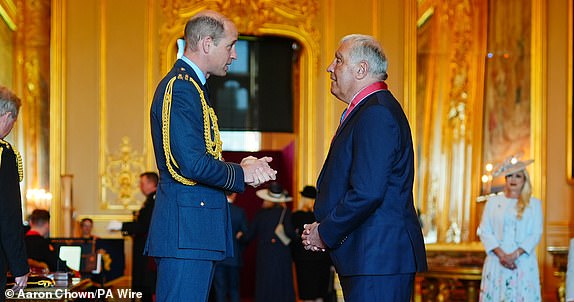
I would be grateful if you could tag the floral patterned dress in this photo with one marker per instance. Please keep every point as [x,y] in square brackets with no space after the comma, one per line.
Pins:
[501,228]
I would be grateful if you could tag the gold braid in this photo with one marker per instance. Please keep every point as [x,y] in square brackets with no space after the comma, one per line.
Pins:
[212,146]
[18,159]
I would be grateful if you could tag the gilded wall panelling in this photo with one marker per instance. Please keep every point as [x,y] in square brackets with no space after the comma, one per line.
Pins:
[7,34]
[570,100]
[331,113]
[32,77]
[110,183]
[8,13]
[119,171]
[120,189]
[446,115]
[538,112]
[58,141]
[449,110]
[507,105]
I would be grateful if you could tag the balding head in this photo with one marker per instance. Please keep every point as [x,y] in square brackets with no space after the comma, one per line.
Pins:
[205,24]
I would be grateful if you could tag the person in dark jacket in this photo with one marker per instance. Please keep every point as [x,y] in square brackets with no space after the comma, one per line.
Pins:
[12,248]
[366,218]
[273,272]
[143,267]
[227,272]
[40,251]
[313,269]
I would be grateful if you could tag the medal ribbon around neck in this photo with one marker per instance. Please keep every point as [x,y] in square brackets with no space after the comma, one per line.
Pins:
[213,145]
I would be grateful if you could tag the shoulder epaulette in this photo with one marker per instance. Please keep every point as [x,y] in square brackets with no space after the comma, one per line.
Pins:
[183,75]
[6,145]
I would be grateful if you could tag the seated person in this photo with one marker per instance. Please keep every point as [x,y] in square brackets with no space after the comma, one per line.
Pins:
[86,227]
[41,253]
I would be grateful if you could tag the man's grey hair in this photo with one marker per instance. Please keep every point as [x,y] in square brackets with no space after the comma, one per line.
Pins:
[201,26]
[9,102]
[366,48]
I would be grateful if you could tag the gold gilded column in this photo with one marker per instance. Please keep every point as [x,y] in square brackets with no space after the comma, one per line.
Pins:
[32,75]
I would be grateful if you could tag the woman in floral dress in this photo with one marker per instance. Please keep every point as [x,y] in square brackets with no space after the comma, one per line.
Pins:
[510,230]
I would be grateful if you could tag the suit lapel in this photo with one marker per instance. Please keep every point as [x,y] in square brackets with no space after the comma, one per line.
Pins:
[351,114]
[339,130]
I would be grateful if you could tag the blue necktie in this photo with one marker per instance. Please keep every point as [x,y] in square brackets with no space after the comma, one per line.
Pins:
[343,115]
[208,94]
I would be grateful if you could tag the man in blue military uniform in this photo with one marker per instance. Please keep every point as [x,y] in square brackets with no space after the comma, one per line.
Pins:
[12,248]
[190,227]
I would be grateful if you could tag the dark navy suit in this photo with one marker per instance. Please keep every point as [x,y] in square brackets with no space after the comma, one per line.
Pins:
[274,264]
[364,202]
[190,226]
[227,272]
[143,267]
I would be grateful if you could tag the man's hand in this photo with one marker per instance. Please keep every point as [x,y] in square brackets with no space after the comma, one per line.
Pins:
[20,282]
[257,171]
[311,239]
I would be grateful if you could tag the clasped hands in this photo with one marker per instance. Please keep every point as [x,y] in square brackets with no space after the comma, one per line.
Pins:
[311,239]
[257,171]
[507,260]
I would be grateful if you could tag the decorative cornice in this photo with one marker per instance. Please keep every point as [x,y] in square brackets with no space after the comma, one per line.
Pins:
[290,18]
[249,19]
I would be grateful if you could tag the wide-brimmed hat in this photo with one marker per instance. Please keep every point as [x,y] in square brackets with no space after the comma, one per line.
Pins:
[512,167]
[309,192]
[274,193]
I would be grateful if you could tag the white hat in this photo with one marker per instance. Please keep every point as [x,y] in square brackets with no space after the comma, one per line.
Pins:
[510,167]
[274,193]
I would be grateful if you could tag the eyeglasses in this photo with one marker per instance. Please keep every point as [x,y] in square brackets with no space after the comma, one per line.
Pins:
[516,175]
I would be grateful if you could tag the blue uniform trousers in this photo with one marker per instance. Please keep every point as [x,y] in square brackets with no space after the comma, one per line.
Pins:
[183,279]
[378,288]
